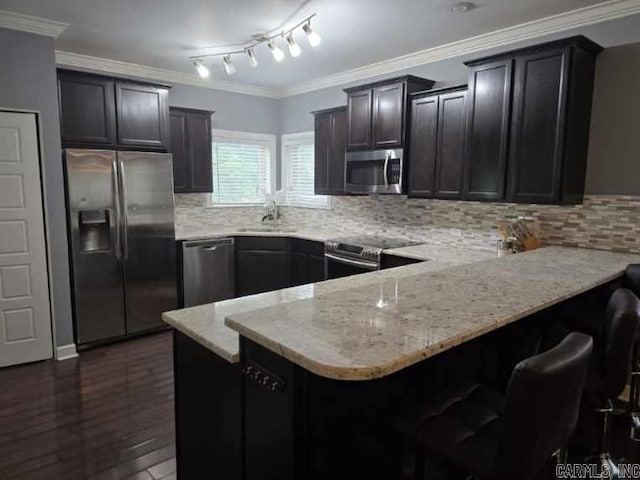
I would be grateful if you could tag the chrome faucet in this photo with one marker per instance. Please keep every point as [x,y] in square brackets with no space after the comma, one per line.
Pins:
[273,213]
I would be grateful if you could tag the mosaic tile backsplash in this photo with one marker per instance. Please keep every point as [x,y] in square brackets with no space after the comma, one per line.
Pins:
[607,222]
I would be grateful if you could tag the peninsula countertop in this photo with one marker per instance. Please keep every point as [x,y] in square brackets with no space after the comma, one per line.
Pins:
[372,330]
[205,323]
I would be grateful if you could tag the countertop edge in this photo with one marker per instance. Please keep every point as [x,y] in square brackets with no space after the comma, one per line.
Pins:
[380,371]
[231,357]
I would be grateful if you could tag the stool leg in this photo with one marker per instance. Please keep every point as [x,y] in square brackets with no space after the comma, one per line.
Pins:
[605,454]
[634,410]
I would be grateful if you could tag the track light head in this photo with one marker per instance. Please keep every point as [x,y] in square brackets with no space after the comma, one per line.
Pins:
[202,70]
[253,61]
[294,48]
[276,51]
[312,36]
[229,67]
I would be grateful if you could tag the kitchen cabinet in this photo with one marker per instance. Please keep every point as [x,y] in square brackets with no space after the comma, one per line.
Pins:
[191,149]
[528,123]
[262,264]
[437,143]
[377,112]
[550,123]
[101,112]
[487,130]
[87,109]
[307,262]
[330,148]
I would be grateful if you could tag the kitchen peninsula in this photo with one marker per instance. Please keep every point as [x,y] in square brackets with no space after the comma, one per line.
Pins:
[324,367]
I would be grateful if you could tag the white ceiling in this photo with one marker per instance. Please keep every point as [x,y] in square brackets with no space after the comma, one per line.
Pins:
[355,33]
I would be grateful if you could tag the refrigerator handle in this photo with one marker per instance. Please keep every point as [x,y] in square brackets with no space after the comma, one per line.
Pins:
[123,196]
[116,189]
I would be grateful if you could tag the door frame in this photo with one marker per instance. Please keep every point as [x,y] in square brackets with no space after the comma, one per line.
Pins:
[43,189]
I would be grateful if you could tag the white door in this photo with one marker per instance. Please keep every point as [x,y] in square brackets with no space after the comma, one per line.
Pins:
[25,317]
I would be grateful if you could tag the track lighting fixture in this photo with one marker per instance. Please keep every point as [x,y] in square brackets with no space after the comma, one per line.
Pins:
[202,70]
[229,67]
[276,51]
[294,48]
[312,36]
[253,61]
[270,39]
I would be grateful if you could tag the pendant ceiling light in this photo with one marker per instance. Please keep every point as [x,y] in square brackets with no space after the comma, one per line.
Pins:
[270,39]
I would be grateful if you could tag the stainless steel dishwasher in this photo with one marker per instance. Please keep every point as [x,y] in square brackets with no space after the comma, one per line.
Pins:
[208,271]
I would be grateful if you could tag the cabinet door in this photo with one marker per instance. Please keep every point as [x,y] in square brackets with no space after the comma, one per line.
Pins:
[315,269]
[181,170]
[422,162]
[322,154]
[260,271]
[143,116]
[537,128]
[87,109]
[388,115]
[199,151]
[338,151]
[487,130]
[450,150]
[299,274]
[359,119]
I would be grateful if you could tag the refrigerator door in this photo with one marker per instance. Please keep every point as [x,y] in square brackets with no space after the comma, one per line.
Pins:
[148,240]
[93,220]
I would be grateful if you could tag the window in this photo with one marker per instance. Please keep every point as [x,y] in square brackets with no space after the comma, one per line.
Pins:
[243,167]
[298,172]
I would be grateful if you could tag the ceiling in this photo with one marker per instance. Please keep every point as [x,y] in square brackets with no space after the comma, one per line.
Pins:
[355,33]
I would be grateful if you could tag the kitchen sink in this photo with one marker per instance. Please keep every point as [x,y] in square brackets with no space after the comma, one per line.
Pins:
[266,229]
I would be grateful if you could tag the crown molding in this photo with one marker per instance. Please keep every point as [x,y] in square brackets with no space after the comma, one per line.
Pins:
[115,67]
[582,17]
[27,23]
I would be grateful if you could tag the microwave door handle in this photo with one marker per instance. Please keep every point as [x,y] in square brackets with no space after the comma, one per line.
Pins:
[118,219]
[385,169]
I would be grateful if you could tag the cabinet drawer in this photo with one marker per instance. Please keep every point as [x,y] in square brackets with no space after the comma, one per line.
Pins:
[262,243]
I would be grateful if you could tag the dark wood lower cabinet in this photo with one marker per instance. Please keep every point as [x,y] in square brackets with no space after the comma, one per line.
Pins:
[307,262]
[208,407]
[259,271]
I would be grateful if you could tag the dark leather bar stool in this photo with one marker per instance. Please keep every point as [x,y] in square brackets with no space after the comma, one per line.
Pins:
[504,437]
[611,365]
[631,281]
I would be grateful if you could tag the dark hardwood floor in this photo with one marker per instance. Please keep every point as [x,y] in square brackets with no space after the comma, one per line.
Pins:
[105,415]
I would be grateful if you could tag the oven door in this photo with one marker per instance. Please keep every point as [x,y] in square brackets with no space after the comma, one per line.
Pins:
[338,266]
[377,171]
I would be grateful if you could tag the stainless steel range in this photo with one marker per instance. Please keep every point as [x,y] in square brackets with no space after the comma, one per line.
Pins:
[353,255]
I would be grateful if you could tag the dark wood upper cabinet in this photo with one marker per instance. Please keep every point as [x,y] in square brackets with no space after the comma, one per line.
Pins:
[143,115]
[424,131]
[537,103]
[452,111]
[488,130]
[87,109]
[388,115]
[330,148]
[377,112]
[437,143]
[179,140]
[359,117]
[104,112]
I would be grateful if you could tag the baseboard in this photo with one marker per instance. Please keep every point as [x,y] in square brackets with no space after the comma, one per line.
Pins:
[65,352]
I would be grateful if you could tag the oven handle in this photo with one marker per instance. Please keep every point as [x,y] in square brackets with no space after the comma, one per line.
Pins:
[354,263]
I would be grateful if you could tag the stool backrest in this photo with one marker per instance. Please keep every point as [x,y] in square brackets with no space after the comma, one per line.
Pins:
[620,325]
[541,406]
[631,279]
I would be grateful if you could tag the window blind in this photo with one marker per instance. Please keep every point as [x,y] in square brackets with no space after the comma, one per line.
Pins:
[241,172]
[298,173]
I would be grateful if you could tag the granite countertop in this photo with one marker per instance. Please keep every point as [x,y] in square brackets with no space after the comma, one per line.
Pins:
[205,323]
[371,330]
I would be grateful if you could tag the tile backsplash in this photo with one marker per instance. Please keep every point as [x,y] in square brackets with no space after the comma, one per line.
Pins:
[609,222]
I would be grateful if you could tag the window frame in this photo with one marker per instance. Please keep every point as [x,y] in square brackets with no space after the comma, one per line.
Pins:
[294,139]
[266,140]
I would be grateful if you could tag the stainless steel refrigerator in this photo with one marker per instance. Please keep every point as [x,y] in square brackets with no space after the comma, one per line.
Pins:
[121,227]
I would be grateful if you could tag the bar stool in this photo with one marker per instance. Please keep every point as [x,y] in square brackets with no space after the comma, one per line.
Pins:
[498,437]
[631,281]
[611,364]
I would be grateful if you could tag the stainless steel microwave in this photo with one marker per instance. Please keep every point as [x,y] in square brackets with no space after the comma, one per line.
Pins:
[374,171]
